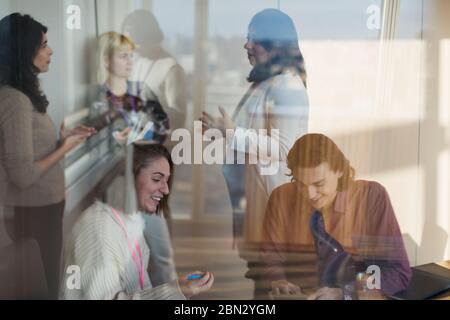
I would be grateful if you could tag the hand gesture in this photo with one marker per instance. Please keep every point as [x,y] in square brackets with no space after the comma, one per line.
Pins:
[80,130]
[326,293]
[284,287]
[122,136]
[193,287]
[72,138]
[221,123]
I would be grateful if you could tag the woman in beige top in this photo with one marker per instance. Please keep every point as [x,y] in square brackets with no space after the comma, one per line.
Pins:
[30,153]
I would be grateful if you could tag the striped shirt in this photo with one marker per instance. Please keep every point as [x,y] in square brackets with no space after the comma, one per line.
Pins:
[98,248]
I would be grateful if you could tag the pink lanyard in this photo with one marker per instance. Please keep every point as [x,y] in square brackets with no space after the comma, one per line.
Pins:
[138,261]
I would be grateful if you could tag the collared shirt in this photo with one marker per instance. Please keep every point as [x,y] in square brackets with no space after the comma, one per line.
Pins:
[361,218]
[98,245]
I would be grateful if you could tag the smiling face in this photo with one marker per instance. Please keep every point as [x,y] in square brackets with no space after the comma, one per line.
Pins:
[42,59]
[120,63]
[152,185]
[319,184]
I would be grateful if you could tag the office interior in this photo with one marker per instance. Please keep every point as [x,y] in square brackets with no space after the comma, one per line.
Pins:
[378,84]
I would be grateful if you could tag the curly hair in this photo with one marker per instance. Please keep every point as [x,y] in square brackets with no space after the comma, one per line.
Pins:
[20,39]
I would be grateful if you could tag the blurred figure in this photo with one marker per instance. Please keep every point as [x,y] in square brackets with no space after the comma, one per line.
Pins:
[276,100]
[125,102]
[324,217]
[163,78]
[164,82]
[29,147]
[120,98]
[109,247]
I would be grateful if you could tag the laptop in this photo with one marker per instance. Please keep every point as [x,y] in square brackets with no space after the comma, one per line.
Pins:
[426,285]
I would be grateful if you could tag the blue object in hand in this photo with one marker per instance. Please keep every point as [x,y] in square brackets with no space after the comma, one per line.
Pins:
[148,135]
[195,276]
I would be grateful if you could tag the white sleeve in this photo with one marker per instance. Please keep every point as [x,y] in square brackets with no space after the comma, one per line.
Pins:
[286,113]
[98,263]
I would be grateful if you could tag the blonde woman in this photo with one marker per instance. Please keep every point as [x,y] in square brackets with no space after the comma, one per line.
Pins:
[120,98]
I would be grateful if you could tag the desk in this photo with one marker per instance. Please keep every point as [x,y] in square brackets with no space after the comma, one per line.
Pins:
[427,278]
[437,268]
[441,269]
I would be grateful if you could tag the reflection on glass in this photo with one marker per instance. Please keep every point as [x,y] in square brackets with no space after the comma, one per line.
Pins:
[325,227]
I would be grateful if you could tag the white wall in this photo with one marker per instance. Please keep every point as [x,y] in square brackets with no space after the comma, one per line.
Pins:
[375,125]
[434,221]
[111,13]
[389,109]
[5,8]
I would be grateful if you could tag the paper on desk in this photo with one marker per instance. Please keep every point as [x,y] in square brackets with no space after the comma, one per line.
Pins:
[445,264]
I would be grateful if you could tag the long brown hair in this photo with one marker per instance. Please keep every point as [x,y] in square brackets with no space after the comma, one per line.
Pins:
[313,149]
[144,156]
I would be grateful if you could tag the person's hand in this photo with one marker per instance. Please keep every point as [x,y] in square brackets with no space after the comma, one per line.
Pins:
[220,123]
[73,141]
[80,130]
[72,138]
[193,287]
[283,287]
[122,136]
[326,293]
[370,295]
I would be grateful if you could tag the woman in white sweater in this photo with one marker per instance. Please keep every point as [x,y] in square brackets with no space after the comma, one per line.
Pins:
[106,255]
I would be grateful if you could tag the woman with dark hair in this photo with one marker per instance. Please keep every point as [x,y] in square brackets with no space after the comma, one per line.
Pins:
[276,106]
[272,47]
[109,246]
[30,151]
[356,216]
